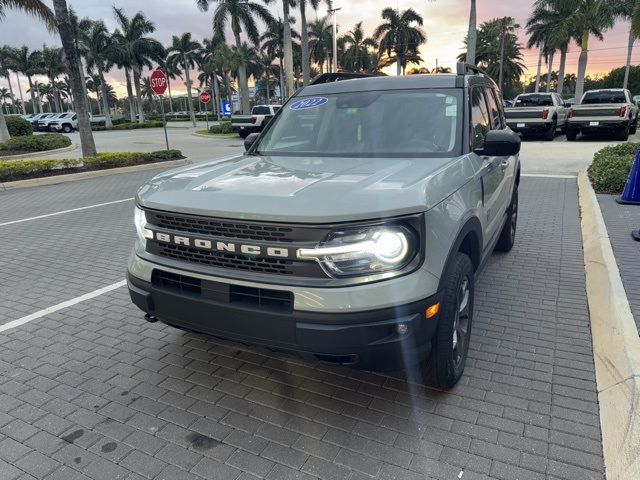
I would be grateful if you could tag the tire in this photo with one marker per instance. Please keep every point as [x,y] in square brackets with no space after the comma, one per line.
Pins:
[449,351]
[634,128]
[551,133]
[244,133]
[66,128]
[508,234]
[624,134]
[571,134]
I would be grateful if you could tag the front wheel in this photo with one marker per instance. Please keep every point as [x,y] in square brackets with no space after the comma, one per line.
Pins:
[551,133]
[450,344]
[508,234]
[66,128]
[572,134]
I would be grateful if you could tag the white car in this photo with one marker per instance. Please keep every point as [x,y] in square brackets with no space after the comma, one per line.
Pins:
[66,122]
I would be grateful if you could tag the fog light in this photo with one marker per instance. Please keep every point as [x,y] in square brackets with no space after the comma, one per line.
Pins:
[432,311]
[402,328]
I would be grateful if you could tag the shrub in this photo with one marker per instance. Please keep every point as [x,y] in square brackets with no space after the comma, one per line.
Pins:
[36,143]
[18,126]
[221,128]
[611,166]
[21,169]
[130,125]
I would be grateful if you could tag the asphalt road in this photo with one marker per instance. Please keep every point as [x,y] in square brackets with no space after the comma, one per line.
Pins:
[88,389]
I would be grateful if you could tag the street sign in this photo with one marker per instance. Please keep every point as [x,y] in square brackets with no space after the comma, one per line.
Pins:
[225,107]
[158,82]
[205,97]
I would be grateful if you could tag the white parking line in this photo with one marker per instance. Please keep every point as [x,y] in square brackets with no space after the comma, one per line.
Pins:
[547,175]
[60,306]
[65,211]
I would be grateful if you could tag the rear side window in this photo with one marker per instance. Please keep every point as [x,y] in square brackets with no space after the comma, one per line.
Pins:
[610,96]
[480,122]
[261,111]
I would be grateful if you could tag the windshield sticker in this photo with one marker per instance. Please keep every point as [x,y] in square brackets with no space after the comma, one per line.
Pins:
[308,103]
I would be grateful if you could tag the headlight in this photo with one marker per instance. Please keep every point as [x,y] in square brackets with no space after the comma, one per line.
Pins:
[364,251]
[140,220]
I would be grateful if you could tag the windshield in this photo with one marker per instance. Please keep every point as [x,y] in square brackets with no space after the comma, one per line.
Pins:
[604,97]
[534,101]
[368,124]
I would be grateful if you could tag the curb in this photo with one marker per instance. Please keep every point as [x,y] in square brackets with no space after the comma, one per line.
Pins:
[616,345]
[70,148]
[71,177]
[222,135]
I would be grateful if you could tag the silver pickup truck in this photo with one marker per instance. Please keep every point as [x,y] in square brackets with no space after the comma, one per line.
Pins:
[351,232]
[260,116]
[537,113]
[604,111]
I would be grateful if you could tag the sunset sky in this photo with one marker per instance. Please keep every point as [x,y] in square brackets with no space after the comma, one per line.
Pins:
[445,25]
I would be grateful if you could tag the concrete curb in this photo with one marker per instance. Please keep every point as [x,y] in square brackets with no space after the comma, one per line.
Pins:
[70,148]
[222,135]
[616,345]
[71,177]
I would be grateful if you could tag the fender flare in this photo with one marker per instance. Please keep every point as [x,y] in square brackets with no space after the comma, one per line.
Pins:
[473,226]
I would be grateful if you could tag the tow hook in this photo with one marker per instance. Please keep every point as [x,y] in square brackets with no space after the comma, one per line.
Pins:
[150,318]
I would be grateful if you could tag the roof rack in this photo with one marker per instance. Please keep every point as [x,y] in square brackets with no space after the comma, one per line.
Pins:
[466,68]
[338,76]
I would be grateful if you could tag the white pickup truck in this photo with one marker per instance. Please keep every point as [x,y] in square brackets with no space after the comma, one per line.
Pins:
[604,111]
[65,123]
[259,118]
[541,113]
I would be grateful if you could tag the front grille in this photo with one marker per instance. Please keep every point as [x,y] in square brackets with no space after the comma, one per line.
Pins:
[221,228]
[248,297]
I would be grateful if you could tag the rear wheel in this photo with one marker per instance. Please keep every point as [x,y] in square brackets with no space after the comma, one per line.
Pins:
[551,133]
[451,341]
[624,134]
[508,235]
[572,134]
[634,128]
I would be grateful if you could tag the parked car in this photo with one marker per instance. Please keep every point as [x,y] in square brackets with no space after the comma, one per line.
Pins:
[608,110]
[259,118]
[66,123]
[538,113]
[37,117]
[351,232]
[43,122]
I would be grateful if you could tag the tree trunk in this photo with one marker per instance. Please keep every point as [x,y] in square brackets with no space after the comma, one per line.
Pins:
[4,131]
[186,72]
[132,104]
[281,80]
[266,82]
[549,70]
[632,38]
[398,65]
[288,50]
[472,35]
[582,67]
[32,93]
[304,43]
[56,98]
[85,94]
[24,110]
[99,102]
[503,38]
[170,98]
[242,82]
[563,61]
[13,98]
[105,101]
[216,96]
[136,84]
[539,72]
[40,101]
[66,35]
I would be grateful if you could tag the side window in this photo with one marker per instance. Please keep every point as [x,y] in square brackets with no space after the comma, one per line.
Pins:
[494,109]
[480,123]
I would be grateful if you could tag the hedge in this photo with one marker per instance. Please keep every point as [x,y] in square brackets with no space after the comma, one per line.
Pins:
[611,166]
[18,126]
[130,125]
[21,169]
[36,143]
[221,128]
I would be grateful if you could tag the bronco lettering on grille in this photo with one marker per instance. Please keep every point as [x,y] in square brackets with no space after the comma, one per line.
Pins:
[224,247]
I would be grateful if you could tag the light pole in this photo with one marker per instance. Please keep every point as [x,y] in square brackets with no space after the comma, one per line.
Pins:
[335,39]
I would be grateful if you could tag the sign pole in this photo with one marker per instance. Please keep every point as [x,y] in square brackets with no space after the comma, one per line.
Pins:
[164,121]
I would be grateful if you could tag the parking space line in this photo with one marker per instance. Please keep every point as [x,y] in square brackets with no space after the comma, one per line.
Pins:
[60,306]
[65,211]
[547,175]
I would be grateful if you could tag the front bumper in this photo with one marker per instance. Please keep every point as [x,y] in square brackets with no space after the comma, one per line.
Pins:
[368,339]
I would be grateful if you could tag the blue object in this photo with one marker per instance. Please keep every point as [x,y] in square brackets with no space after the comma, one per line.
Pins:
[225,108]
[631,193]
[308,103]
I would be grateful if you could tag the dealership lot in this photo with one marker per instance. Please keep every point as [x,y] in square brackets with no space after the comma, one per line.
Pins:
[93,391]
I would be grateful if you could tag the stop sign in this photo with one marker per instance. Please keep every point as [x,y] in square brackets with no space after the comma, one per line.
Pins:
[205,97]
[158,82]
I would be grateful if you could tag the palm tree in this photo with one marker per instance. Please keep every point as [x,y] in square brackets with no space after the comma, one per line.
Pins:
[80,29]
[398,35]
[628,10]
[356,55]
[135,49]
[5,95]
[53,66]
[539,30]
[320,40]
[265,70]
[6,57]
[304,42]
[184,54]
[241,14]
[147,91]
[172,72]
[472,35]
[288,51]
[29,64]
[70,52]
[98,46]
[210,68]
[273,44]
[503,27]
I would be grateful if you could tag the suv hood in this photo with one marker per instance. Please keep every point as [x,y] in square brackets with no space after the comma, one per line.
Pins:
[306,189]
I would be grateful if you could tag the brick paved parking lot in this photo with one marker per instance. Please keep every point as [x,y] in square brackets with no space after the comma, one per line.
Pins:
[93,391]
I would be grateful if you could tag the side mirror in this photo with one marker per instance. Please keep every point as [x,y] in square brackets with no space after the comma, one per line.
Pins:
[250,140]
[568,104]
[501,143]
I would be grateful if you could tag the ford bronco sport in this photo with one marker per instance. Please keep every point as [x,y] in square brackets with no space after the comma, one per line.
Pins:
[350,232]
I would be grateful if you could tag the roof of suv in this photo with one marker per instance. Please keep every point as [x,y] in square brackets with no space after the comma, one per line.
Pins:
[387,83]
